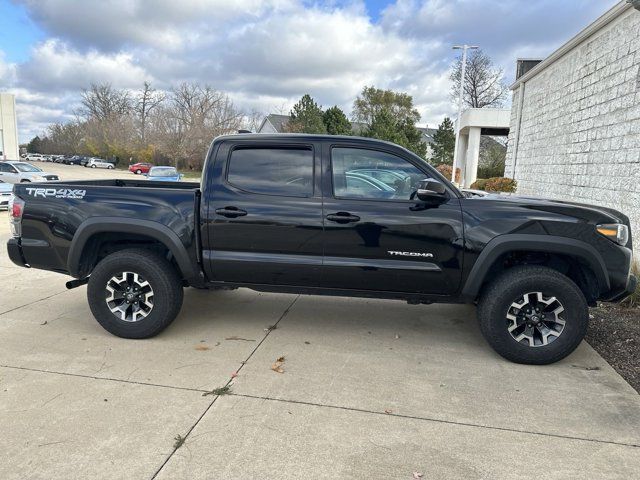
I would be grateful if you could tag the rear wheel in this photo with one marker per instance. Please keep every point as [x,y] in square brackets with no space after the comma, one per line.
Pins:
[93,166]
[533,315]
[138,172]
[134,293]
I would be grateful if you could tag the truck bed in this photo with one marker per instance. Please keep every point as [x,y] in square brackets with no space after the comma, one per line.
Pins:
[57,212]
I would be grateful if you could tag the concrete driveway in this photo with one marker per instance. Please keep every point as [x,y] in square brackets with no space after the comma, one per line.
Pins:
[369,389]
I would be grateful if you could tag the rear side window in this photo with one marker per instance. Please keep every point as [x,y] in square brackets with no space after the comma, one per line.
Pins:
[272,171]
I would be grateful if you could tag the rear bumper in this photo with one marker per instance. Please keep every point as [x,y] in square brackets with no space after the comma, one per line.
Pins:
[15,252]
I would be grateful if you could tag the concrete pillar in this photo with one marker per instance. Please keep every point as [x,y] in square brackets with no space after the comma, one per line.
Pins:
[463,141]
[473,155]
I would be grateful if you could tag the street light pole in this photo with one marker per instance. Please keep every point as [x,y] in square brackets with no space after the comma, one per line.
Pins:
[464,49]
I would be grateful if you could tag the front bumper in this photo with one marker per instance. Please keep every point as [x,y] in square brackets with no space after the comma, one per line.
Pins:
[632,284]
[15,252]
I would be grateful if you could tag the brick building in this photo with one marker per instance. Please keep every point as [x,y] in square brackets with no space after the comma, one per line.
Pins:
[575,119]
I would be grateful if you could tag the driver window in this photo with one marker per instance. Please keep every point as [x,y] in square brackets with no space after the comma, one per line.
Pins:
[373,175]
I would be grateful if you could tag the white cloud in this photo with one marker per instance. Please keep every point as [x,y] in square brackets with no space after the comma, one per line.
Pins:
[266,54]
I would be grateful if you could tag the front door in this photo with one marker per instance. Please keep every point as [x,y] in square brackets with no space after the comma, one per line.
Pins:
[377,237]
[264,215]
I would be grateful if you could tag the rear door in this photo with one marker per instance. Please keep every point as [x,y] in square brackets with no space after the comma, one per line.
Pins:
[263,224]
[376,237]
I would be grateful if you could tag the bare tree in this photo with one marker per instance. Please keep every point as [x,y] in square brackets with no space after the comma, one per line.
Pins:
[484,84]
[251,121]
[193,116]
[103,101]
[148,100]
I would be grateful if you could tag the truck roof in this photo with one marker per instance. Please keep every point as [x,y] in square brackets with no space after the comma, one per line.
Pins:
[306,136]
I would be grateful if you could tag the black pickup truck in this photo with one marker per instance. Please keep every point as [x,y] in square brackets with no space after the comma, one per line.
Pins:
[328,215]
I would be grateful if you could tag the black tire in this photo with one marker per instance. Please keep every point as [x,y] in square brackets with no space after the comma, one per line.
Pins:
[513,284]
[138,172]
[163,279]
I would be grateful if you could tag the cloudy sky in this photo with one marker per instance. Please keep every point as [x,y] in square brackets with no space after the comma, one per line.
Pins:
[266,54]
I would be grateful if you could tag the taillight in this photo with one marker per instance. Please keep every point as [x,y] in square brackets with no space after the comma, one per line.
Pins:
[16,209]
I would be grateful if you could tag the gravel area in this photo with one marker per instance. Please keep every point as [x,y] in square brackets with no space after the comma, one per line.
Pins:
[614,332]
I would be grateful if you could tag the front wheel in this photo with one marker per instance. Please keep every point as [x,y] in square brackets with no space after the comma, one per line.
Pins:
[93,166]
[110,167]
[135,293]
[138,172]
[533,315]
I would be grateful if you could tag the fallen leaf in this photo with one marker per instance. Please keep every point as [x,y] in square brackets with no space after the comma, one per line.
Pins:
[270,327]
[388,411]
[44,323]
[417,475]
[277,366]
[240,338]
[234,374]
[397,336]
[201,347]
[307,343]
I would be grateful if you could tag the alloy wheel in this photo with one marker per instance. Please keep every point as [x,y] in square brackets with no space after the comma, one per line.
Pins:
[129,296]
[535,319]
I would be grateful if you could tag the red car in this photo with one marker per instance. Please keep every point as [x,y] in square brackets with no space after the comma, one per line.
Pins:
[139,168]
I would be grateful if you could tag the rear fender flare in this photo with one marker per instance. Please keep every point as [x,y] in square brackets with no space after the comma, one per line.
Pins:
[155,230]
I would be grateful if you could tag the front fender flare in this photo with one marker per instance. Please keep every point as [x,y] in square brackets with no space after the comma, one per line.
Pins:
[155,230]
[533,243]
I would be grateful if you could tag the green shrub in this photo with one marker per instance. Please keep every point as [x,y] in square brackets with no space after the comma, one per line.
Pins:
[479,184]
[496,184]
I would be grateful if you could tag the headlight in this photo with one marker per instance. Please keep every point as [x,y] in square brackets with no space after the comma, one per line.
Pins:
[616,232]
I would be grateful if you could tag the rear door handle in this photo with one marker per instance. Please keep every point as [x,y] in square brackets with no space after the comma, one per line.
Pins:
[231,212]
[343,217]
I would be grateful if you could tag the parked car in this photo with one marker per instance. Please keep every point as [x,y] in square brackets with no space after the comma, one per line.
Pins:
[164,174]
[34,157]
[99,163]
[5,194]
[533,266]
[21,172]
[140,168]
[73,160]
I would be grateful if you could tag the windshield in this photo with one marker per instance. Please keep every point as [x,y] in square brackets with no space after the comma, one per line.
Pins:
[163,172]
[25,167]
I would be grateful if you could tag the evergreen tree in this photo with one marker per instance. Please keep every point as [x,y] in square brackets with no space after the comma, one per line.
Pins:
[336,122]
[390,116]
[384,126]
[443,145]
[306,117]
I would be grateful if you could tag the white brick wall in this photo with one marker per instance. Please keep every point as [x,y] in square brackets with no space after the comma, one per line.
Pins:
[579,135]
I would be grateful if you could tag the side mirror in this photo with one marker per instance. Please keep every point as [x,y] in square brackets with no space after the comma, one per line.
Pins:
[431,191]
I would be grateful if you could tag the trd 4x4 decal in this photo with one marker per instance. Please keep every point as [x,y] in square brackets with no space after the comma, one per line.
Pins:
[56,192]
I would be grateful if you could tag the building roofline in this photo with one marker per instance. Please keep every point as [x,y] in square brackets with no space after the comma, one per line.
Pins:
[604,20]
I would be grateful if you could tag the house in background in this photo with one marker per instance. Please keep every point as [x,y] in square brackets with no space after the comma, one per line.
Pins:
[274,123]
[8,127]
[575,118]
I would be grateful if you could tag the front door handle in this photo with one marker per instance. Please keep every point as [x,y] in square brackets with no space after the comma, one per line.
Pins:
[343,217]
[231,212]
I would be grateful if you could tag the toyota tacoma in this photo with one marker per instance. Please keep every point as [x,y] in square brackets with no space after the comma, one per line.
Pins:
[328,215]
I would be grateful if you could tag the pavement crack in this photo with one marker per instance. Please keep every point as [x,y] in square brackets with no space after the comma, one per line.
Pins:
[438,420]
[31,303]
[228,384]
[109,379]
